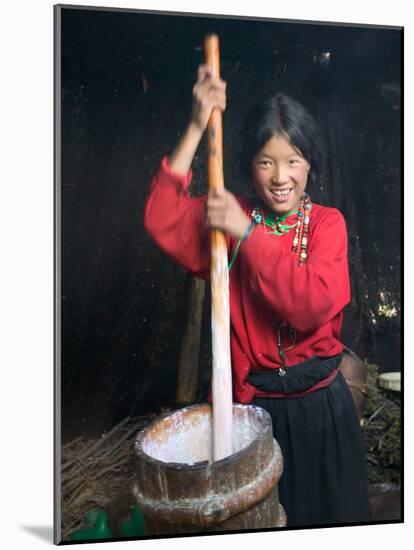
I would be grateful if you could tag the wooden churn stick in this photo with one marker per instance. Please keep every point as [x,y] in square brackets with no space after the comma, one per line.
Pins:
[220,306]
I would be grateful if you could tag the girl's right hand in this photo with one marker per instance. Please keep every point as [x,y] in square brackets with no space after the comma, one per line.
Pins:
[208,92]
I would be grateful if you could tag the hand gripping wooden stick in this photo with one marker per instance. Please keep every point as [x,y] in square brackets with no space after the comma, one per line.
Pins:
[220,306]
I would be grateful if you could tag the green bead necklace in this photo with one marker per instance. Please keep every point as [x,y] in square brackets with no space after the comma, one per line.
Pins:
[274,223]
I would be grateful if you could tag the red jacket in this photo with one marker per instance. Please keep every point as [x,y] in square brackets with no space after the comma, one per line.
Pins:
[266,282]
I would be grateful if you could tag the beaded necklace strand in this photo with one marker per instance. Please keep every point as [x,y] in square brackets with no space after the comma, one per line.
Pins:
[302,228]
[275,225]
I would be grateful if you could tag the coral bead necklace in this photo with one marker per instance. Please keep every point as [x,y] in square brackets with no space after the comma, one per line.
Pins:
[276,225]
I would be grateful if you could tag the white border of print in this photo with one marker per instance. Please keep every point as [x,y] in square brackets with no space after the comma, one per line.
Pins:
[26,41]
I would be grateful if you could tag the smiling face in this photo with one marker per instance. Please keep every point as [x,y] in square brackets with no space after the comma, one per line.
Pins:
[280,174]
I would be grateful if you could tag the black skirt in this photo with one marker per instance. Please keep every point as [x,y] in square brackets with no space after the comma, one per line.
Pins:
[324,478]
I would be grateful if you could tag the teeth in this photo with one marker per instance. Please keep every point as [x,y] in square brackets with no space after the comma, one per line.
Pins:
[281,192]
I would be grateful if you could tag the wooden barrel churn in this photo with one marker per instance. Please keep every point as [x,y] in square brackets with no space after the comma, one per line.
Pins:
[180,489]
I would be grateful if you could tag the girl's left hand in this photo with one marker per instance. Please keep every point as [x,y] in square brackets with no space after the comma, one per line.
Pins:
[225,213]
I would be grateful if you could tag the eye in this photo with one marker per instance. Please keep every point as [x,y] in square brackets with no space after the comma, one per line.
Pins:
[264,163]
[294,161]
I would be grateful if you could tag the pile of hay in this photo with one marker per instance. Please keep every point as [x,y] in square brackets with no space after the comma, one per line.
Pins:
[96,472]
[382,431]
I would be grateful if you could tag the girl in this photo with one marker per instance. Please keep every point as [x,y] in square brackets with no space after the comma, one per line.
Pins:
[289,284]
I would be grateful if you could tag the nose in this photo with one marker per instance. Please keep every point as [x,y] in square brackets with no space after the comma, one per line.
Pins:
[280,174]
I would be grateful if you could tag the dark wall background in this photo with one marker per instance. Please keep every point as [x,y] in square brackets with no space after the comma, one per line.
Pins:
[126,96]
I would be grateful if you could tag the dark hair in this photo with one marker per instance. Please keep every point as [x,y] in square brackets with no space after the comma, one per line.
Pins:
[281,115]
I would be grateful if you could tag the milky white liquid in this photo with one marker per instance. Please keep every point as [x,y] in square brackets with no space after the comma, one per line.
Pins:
[188,438]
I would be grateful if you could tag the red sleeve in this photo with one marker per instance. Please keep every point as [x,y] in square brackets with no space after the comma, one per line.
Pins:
[306,296]
[176,221]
